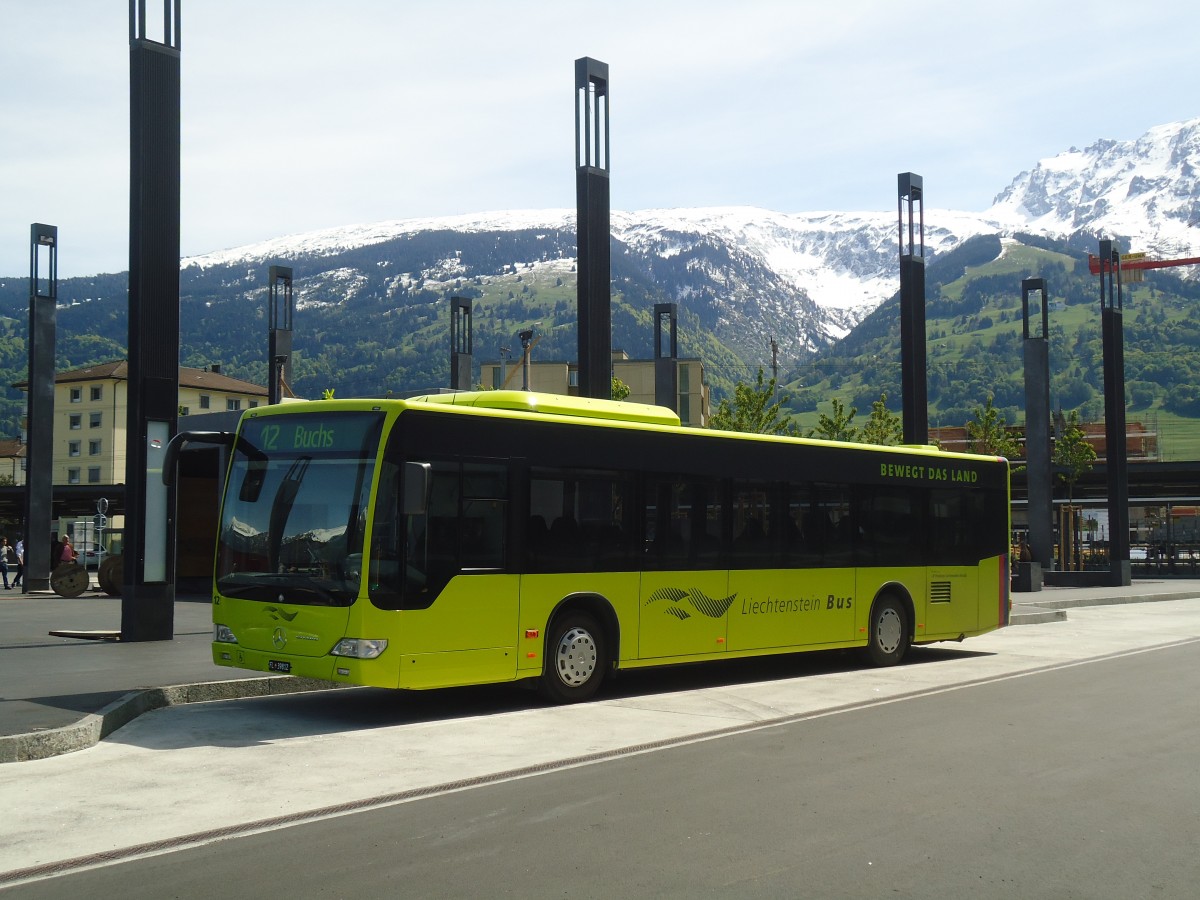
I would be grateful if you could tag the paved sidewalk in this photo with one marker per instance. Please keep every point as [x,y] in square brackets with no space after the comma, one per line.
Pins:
[62,694]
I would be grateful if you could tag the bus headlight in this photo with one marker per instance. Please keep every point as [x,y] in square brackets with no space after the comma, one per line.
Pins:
[223,635]
[359,648]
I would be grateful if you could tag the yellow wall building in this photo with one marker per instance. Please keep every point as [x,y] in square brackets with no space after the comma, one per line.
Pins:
[637,374]
[91,407]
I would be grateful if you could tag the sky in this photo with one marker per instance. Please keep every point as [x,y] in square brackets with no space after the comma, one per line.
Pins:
[299,115]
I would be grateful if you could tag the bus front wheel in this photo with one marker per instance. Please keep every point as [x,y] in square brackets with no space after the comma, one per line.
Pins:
[889,634]
[575,659]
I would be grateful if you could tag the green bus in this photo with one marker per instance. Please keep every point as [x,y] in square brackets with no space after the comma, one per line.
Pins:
[502,536]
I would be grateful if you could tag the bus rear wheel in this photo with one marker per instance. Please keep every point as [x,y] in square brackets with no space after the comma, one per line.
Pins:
[575,659]
[888,634]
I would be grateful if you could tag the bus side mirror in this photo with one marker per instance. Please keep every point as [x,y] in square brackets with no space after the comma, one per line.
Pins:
[417,478]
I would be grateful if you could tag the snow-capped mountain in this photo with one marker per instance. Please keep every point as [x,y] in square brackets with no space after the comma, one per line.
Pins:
[1146,191]
[752,275]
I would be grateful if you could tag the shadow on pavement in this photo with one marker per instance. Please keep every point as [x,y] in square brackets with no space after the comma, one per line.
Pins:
[340,710]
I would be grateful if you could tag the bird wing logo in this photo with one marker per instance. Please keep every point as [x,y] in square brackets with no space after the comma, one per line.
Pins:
[675,598]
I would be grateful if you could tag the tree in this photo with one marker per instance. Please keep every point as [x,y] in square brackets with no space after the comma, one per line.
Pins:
[884,426]
[752,410]
[989,435]
[620,390]
[837,428]
[1072,456]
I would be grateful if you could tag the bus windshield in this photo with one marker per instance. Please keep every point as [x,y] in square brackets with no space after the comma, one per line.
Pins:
[295,508]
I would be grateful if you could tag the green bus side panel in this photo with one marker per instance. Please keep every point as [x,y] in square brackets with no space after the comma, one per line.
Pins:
[869,583]
[791,608]
[684,613]
[953,601]
[542,594]
[473,612]
[473,621]
[994,596]
[456,668]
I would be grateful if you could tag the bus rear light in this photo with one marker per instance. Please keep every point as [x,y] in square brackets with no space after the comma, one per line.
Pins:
[359,648]
[222,634]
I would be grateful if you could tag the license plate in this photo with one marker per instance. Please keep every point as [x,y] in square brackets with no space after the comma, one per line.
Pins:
[279,665]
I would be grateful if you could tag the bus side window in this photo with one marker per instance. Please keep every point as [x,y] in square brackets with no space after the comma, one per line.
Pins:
[484,532]
[578,521]
[755,534]
[832,506]
[683,524]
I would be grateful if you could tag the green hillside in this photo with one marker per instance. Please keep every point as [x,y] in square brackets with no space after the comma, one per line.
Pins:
[974,338]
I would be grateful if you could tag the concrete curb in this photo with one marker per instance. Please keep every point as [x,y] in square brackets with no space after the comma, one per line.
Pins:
[1035,615]
[94,727]
[1050,609]
[1068,602]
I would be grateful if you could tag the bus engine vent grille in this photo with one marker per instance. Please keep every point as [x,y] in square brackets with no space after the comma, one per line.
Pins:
[939,591]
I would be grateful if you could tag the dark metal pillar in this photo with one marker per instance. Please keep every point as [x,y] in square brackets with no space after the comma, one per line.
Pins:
[913,390]
[148,595]
[526,338]
[1037,425]
[39,452]
[1116,458]
[592,199]
[666,356]
[280,308]
[461,356]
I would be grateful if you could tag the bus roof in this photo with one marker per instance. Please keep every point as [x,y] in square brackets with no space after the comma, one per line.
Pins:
[557,405]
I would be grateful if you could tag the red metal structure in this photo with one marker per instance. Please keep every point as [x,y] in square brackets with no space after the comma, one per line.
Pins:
[1137,261]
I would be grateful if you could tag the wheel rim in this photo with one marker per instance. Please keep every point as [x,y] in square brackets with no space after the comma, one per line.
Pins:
[889,630]
[576,657]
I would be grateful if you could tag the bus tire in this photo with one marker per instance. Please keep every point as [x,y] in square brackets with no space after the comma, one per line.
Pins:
[575,658]
[889,634]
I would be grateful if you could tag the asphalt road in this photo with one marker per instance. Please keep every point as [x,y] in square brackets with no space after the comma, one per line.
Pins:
[1069,779]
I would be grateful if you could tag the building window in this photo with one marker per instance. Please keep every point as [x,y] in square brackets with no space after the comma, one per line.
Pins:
[76,421]
[76,395]
[93,474]
[204,401]
[93,448]
[254,404]
[97,392]
[72,476]
[185,411]
[73,448]
[232,404]
[573,378]
[94,419]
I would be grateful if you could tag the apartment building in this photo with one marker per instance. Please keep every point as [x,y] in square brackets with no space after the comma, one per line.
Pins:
[91,407]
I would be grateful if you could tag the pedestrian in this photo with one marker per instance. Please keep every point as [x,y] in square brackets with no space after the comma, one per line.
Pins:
[68,552]
[20,554]
[4,549]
